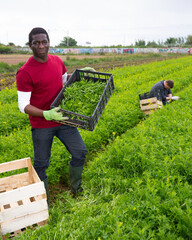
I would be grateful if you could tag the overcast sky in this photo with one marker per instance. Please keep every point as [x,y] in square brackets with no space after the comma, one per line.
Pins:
[101,22]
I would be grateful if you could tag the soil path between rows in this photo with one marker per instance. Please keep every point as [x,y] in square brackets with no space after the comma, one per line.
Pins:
[18,58]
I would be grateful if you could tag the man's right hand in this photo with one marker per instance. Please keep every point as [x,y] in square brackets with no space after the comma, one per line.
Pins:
[54,114]
[88,69]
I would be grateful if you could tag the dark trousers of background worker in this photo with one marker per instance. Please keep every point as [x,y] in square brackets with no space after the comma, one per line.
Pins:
[70,137]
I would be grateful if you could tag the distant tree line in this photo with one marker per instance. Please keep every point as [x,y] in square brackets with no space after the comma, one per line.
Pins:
[169,42]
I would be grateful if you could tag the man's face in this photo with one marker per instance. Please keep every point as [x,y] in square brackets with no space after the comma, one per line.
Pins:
[166,86]
[40,46]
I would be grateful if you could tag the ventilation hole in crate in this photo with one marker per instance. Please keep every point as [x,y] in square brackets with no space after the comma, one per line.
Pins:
[2,191]
[32,199]
[12,235]
[7,206]
[20,202]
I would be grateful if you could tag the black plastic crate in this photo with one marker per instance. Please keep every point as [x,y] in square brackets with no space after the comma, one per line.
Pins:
[144,96]
[150,95]
[78,120]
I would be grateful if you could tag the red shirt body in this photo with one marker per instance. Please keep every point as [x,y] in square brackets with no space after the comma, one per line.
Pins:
[44,81]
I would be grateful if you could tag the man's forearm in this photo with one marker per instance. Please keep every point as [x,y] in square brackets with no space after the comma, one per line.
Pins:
[169,97]
[33,111]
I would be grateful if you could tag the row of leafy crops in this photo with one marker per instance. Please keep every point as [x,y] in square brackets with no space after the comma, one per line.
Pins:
[137,177]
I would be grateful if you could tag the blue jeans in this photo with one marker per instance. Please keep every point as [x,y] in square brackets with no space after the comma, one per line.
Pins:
[42,142]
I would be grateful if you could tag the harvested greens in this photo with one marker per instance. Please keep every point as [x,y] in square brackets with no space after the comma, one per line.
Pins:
[83,96]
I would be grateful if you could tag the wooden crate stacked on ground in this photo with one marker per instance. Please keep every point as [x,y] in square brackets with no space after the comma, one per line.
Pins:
[23,201]
[150,104]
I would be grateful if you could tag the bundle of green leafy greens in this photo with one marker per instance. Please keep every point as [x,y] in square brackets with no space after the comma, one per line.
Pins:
[82,97]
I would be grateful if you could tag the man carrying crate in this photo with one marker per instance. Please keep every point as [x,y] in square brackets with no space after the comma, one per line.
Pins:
[39,81]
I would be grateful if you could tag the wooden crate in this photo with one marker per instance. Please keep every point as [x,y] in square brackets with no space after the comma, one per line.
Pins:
[150,105]
[23,201]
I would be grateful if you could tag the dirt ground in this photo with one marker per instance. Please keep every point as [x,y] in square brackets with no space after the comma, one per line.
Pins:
[17,58]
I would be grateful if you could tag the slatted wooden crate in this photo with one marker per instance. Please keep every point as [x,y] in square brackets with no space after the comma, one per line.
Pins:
[150,105]
[23,201]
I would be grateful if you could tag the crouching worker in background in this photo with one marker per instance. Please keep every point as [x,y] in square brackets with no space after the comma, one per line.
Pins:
[162,90]
[39,81]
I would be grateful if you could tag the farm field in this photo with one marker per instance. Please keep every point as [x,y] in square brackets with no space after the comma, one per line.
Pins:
[10,63]
[99,61]
[138,174]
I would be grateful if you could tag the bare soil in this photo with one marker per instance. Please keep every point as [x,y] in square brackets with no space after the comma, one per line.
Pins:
[18,58]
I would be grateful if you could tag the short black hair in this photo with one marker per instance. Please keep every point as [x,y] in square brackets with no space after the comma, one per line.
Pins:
[35,31]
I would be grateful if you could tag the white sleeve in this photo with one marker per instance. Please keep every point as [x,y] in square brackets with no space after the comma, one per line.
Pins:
[64,78]
[23,100]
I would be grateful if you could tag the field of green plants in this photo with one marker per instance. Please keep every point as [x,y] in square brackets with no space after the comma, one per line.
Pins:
[138,175]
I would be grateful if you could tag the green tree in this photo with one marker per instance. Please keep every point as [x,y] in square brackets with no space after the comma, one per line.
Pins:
[189,40]
[11,44]
[68,42]
[181,40]
[140,43]
[160,43]
[170,42]
[152,44]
